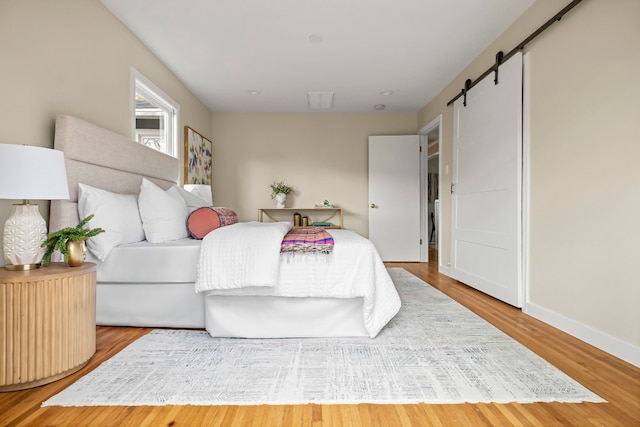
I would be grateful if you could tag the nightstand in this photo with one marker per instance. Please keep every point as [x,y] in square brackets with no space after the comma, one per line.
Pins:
[47,323]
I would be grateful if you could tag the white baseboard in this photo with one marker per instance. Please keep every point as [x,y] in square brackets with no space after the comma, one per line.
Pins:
[605,342]
[615,346]
[444,270]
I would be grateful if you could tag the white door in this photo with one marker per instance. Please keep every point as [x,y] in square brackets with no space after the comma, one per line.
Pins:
[394,196]
[486,226]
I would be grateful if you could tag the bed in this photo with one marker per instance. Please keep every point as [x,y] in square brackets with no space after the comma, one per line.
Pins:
[166,283]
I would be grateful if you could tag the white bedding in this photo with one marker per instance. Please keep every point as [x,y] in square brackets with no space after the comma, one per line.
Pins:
[241,255]
[150,285]
[144,262]
[353,270]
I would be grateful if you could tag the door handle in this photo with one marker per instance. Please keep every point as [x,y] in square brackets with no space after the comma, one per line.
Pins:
[373,206]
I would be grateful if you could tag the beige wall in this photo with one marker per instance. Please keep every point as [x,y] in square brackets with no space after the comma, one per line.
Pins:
[324,156]
[584,148]
[74,57]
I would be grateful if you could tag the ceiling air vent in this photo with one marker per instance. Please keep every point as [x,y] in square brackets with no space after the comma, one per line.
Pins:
[320,100]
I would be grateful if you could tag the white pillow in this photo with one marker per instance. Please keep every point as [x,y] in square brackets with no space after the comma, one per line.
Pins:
[116,213]
[201,190]
[163,213]
[193,201]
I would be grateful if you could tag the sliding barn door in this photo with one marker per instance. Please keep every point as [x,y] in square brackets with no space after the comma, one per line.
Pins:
[487,186]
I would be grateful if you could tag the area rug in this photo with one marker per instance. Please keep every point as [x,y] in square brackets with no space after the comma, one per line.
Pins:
[433,351]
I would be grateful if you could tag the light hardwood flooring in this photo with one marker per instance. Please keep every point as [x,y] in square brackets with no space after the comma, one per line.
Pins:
[614,380]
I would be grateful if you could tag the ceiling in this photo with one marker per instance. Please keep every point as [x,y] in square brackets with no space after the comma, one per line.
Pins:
[223,50]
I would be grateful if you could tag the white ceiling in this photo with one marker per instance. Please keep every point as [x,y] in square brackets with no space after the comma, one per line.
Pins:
[222,49]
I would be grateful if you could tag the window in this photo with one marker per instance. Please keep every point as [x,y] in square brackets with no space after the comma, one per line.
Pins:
[155,116]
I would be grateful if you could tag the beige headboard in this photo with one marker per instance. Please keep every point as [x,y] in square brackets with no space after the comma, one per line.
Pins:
[104,159]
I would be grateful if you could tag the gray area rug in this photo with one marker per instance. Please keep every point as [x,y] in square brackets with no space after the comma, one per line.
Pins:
[433,351]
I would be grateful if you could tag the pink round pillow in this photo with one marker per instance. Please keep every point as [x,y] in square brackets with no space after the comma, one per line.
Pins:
[202,221]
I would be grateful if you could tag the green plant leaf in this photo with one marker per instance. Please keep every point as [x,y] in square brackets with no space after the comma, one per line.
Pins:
[57,241]
[280,187]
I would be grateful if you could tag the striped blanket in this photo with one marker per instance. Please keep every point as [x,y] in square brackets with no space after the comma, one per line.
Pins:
[307,240]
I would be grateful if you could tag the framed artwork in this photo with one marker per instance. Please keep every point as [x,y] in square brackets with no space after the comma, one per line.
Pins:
[197,158]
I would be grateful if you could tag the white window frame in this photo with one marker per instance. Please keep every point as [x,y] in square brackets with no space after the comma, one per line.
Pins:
[141,84]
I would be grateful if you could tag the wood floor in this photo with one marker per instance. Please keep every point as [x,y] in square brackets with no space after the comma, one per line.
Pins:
[614,380]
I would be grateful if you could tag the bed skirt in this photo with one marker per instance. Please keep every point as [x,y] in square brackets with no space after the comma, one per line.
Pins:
[177,305]
[165,305]
[282,317]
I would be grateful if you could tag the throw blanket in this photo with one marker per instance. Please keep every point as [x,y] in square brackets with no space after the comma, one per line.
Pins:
[241,255]
[307,240]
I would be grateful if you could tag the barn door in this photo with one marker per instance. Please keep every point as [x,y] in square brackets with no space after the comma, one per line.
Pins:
[486,229]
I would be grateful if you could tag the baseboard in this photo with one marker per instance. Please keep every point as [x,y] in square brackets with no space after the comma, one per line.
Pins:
[444,270]
[605,342]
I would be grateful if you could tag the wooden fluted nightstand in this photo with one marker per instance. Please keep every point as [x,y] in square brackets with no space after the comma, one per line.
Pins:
[47,323]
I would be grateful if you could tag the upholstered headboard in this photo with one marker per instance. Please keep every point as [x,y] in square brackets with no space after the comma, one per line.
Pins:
[104,159]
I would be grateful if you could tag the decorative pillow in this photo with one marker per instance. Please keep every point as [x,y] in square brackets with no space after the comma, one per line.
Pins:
[193,201]
[163,213]
[116,213]
[203,191]
[202,221]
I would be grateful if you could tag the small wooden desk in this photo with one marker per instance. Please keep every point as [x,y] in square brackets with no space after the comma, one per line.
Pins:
[47,323]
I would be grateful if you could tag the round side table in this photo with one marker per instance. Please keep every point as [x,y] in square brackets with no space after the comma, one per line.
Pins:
[47,323]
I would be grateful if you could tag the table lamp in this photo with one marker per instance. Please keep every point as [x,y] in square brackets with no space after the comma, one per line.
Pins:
[201,190]
[28,173]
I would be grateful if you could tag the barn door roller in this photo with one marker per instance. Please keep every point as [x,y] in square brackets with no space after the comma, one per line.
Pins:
[467,86]
[499,57]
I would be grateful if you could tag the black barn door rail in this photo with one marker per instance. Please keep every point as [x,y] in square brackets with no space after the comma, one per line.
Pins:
[501,58]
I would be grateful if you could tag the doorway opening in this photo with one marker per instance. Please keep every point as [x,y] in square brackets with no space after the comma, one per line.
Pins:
[433,202]
[430,136]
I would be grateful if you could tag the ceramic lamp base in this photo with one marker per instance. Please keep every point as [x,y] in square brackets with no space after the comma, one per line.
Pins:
[24,232]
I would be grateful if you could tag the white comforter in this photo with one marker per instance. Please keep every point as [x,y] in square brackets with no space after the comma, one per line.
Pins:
[353,270]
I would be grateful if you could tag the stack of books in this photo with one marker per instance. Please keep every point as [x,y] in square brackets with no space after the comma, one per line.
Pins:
[322,224]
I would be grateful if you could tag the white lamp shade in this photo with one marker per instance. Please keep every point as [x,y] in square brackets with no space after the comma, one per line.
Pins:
[201,190]
[32,173]
[28,173]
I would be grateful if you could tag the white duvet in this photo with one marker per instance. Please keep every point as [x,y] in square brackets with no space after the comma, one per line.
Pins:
[353,270]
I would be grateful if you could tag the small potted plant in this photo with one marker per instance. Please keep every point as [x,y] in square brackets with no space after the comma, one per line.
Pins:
[279,191]
[70,242]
